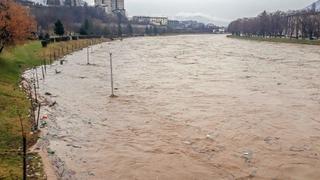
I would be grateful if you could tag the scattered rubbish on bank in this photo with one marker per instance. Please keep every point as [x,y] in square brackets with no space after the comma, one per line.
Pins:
[43,124]
[50,152]
[44,117]
[52,104]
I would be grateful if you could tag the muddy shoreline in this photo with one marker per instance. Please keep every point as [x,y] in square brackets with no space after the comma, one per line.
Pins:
[188,107]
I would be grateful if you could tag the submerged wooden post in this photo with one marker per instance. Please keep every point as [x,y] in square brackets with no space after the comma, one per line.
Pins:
[50,57]
[24,144]
[54,56]
[38,116]
[34,87]
[42,70]
[45,64]
[88,56]
[111,72]
[31,103]
[35,92]
[24,149]
[91,48]
[36,71]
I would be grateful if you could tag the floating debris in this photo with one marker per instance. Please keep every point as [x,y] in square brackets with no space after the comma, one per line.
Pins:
[47,94]
[74,146]
[53,104]
[247,156]
[187,142]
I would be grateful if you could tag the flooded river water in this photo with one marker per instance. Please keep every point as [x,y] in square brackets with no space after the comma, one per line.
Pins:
[194,107]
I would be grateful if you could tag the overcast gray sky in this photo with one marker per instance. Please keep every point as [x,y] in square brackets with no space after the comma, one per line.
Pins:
[220,10]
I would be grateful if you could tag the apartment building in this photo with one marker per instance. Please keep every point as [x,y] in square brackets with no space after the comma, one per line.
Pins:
[111,6]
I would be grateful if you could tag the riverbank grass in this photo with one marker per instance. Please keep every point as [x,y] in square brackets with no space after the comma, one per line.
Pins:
[278,40]
[12,102]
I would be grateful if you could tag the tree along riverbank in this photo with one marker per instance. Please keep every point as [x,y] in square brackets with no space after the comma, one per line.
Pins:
[15,104]
[278,40]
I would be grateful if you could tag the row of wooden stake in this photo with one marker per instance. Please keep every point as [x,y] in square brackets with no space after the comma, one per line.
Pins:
[35,104]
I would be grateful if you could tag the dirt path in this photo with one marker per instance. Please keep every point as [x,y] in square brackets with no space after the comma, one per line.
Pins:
[189,107]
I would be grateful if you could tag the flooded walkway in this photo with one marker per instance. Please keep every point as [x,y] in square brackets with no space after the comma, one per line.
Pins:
[189,107]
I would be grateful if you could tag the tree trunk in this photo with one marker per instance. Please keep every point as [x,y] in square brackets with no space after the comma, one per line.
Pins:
[311,35]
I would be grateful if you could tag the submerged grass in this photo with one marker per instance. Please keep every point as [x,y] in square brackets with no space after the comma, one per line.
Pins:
[278,40]
[13,61]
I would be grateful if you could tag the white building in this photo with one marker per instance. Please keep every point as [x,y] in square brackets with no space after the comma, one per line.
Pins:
[157,21]
[219,30]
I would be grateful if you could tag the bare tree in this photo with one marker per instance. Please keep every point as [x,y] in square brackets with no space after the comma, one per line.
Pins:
[304,24]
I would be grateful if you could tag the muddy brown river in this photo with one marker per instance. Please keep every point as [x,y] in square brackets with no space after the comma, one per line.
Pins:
[191,107]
